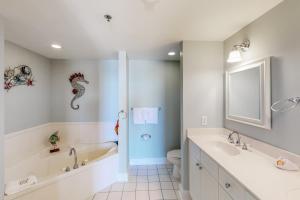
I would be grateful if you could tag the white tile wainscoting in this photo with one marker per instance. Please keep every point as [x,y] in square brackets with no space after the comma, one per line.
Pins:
[30,142]
[146,182]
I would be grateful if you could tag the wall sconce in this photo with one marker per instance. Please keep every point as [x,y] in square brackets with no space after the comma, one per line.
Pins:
[236,54]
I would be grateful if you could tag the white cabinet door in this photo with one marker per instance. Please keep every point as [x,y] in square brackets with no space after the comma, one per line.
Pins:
[209,186]
[223,195]
[194,179]
[203,186]
[249,196]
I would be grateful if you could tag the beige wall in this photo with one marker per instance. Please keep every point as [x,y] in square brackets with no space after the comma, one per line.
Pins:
[100,101]
[27,106]
[154,84]
[202,90]
[275,34]
[1,110]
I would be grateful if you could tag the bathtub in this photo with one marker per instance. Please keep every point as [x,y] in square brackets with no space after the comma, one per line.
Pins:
[56,184]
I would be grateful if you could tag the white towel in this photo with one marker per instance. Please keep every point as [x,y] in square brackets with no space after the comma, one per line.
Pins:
[20,185]
[138,116]
[145,115]
[151,115]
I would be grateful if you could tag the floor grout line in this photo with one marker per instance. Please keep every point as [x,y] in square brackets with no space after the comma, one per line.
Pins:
[145,171]
[94,196]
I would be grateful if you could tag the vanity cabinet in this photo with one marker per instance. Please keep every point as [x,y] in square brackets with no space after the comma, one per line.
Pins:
[250,197]
[194,179]
[230,185]
[209,181]
[208,186]
[203,185]
[223,195]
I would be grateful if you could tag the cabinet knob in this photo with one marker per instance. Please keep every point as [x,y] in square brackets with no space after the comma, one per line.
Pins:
[227,185]
[199,166]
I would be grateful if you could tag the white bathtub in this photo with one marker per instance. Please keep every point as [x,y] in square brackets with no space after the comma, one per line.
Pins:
[55,184]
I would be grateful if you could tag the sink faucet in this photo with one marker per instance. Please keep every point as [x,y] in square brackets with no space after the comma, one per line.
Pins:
[238,141]
[75,157]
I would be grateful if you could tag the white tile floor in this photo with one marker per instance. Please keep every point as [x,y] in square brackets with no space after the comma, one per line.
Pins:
[145,182]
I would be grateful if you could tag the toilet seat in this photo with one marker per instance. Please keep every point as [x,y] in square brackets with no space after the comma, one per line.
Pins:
[174,154]
[174,157]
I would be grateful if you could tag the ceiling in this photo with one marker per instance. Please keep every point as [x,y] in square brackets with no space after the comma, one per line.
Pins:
[146,29]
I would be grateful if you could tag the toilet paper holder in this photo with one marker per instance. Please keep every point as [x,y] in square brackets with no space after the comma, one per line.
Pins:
[146,136]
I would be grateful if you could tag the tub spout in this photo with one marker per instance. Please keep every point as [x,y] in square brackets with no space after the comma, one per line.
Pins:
[73,150]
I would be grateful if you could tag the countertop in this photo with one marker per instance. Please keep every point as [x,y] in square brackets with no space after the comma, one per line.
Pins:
[254,169]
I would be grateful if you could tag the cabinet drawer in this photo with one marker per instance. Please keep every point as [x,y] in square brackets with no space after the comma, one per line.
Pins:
[210,165]
[231,186]
[223,195]
[194,151]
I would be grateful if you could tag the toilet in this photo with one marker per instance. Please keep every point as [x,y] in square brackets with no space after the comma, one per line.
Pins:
[174,157]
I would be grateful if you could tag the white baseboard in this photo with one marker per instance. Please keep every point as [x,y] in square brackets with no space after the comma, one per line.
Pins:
[149,161]
[184,194]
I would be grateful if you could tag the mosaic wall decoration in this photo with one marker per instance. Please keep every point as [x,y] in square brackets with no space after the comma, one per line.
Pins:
[78,89]
[20,75]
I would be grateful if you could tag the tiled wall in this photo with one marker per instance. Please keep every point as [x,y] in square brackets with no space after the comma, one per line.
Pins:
[28,142]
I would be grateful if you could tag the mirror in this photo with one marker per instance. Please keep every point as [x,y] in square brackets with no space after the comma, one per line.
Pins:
[248,93]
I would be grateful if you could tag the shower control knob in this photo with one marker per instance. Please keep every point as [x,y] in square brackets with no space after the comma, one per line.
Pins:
[245,146]
[197,164]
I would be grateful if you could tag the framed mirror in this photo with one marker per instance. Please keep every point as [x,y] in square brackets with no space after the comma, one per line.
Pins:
[248,93]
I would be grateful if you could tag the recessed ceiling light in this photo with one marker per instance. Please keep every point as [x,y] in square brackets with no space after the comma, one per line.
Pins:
[171,53]
[56,46]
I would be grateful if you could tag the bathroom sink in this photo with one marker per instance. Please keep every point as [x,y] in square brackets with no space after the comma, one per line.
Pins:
[225,148]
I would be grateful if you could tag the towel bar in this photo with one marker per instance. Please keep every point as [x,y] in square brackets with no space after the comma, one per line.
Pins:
[159,108]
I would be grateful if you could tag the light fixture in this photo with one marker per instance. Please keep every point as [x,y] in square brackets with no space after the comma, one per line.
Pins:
[236,54]
[56,46]
[171,53]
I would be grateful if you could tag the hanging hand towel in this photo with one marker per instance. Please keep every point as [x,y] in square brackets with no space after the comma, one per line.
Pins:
[138,116]
[151,115]
[145,115]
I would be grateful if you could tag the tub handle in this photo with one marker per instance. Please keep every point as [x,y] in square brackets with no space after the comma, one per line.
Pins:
[67,169]
[83,163]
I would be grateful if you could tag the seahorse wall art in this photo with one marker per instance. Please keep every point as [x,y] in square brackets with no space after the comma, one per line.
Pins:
[78,89]
[20,75]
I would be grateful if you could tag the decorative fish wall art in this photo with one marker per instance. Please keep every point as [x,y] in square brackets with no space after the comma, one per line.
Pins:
[20,75]
[78,89]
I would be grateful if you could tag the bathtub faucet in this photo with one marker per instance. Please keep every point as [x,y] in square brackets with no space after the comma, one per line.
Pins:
[75,157]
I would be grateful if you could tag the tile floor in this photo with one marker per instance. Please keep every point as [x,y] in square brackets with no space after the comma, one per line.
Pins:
[145,182]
